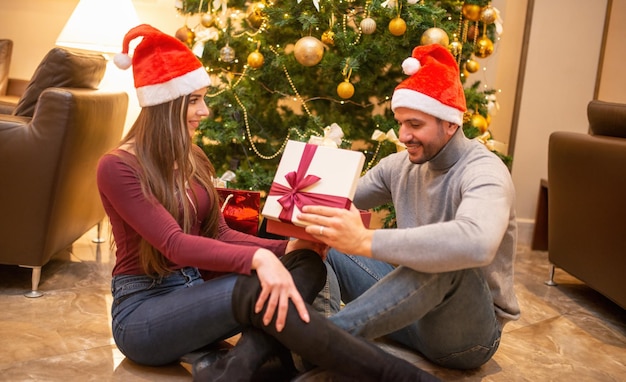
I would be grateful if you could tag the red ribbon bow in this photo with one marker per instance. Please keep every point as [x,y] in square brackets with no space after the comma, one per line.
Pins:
[294,196]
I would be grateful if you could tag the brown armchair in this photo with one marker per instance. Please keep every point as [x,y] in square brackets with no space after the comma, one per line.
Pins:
[587,201]
[49,149]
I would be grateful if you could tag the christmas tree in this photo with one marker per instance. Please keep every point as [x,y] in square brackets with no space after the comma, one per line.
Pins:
[291,69]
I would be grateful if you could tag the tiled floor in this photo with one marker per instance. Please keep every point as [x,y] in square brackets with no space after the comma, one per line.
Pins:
[566,333]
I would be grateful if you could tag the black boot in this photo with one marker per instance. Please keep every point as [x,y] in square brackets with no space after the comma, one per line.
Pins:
[200,364]
[243,361]
[320,341]
[255,346]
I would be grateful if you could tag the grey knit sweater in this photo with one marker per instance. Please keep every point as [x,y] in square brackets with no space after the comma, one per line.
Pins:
[454,212]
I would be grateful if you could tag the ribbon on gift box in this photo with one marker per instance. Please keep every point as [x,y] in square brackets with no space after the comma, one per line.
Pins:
[293,195]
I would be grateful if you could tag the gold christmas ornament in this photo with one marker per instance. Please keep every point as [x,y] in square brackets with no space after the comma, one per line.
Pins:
[472,66]
[227,54]
[255,15]
[479,122]
[308,51]
[455,48]
[186,35]
[484,47]
[471,11]
[328,37]
[207,20]
[255,59]
[345,89]
[368,25]
[435,36]
[397,26]
[488,15]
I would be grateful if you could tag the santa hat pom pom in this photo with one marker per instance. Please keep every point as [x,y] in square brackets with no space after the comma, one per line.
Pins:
[410,66]
[122,61]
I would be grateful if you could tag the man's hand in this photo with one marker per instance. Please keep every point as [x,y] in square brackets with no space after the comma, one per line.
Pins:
[339,228]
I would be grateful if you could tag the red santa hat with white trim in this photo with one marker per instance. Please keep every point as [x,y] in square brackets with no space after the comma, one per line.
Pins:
[434,86]
[163,67]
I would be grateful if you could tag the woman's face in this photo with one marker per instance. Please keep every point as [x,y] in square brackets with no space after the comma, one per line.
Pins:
[196,110]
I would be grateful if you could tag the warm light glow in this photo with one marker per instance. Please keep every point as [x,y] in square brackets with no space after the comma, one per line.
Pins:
[98,25]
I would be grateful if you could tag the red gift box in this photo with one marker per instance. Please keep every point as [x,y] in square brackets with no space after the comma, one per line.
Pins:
[290,230]
[240,209]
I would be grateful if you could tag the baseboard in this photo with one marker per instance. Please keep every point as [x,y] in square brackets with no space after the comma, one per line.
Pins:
[525,229]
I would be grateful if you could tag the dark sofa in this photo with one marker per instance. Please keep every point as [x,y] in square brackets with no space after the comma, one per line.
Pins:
[587,201]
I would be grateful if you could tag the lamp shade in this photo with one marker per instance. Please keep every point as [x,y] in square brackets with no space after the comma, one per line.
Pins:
[98,25]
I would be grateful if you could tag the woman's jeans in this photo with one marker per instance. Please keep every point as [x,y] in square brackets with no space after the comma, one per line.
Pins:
[158,320]
[448,317]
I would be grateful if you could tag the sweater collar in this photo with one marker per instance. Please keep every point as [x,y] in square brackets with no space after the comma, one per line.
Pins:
[451,152]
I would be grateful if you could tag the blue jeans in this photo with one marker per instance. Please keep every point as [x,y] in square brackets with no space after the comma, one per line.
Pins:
[447,317]
[156,321]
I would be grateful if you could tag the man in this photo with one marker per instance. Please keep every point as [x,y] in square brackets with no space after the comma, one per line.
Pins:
[442,282]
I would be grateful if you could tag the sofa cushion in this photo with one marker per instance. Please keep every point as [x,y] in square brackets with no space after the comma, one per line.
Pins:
[61,68]
[6,49]
[607,118]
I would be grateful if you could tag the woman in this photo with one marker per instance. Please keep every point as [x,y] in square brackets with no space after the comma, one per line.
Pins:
[157,190]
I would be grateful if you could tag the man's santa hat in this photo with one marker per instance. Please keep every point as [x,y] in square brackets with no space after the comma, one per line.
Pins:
[434,86]
[163,67]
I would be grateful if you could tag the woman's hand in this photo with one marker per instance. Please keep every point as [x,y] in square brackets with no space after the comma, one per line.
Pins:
[320,248]
[277,288]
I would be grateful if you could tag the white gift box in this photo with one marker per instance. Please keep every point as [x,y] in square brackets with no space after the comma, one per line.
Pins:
[338,171]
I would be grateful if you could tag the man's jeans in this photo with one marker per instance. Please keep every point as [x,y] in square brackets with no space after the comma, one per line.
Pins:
[447,317]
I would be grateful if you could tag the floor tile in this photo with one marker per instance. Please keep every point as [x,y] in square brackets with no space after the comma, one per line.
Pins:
[566,333]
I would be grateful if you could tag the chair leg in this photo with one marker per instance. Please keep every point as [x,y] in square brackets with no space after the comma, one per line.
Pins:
[35,283]
[550,282]
[98,239]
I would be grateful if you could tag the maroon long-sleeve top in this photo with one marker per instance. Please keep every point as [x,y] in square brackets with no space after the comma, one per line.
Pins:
[133,216]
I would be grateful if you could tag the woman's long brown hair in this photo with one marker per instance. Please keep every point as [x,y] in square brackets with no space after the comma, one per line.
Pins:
[170,162]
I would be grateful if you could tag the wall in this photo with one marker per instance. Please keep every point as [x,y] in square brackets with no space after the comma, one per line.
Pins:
[612,86]
[559,81]
[35,24]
